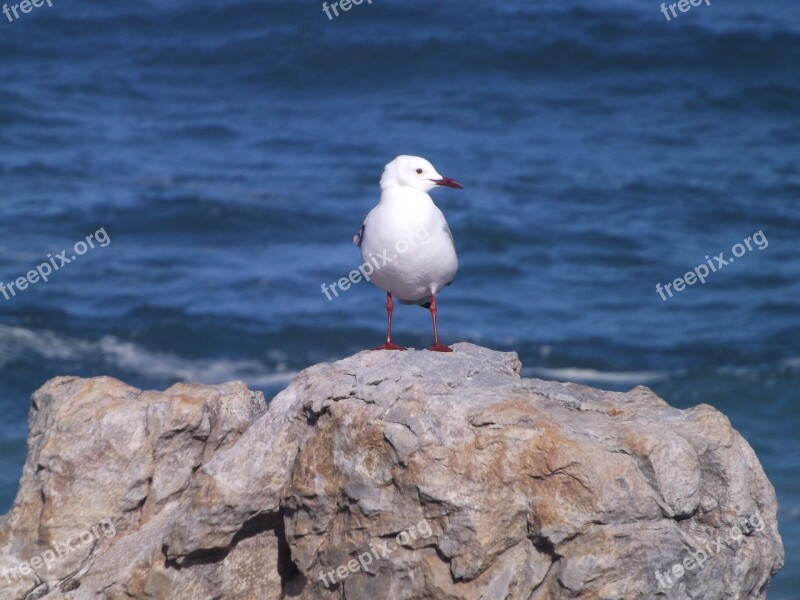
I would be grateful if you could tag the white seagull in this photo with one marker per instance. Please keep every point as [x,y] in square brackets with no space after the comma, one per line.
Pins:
[407,238]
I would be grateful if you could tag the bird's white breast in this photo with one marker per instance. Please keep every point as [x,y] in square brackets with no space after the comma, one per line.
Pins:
[407,240]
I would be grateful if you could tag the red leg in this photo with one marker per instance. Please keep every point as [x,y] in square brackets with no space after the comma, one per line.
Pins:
[389,310]
[437,347]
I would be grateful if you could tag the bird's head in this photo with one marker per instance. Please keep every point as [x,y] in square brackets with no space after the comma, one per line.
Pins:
[415,173]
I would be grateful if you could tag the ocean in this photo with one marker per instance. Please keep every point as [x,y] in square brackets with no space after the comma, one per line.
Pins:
[229,150]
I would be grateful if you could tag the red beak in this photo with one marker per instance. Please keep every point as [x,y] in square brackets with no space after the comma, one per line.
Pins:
[447,182]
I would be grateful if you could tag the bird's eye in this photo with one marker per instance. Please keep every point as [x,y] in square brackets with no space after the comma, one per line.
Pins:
[419,171]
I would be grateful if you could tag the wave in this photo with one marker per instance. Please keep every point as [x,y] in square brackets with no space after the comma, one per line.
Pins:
[593,376]
[18,343]
[516,39]
[792,364]
[758,370]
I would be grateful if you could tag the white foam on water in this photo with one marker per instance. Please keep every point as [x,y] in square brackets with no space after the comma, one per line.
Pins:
[594,376]
[130,357]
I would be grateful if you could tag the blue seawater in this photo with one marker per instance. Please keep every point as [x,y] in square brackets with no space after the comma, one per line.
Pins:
[230,150]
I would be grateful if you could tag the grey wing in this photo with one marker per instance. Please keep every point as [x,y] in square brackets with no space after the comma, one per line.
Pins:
[446,228]
[357,238]
[450,233]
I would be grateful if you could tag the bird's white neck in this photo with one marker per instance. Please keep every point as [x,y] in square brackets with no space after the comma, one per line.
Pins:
[405,195]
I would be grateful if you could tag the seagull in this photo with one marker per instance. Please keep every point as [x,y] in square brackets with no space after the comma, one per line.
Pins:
[407,238]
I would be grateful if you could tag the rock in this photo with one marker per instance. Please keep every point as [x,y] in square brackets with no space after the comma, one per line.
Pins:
[107,468]
[393,475]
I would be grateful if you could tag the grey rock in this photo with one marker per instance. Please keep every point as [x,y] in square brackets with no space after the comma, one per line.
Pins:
[398,475]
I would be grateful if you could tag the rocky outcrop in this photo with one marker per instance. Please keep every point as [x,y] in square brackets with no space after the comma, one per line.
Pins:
[385,475]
